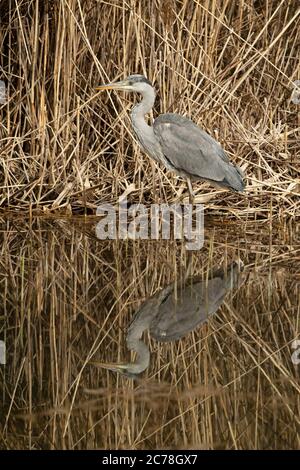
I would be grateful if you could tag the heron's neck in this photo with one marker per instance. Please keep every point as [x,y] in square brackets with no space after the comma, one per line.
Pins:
[142,108]
[143,356]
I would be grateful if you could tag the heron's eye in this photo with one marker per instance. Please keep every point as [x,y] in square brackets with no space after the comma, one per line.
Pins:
[130,83]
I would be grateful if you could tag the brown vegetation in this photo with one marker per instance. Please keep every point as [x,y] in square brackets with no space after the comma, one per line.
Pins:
[65,296]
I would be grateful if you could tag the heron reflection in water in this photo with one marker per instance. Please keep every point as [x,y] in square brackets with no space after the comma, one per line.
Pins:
[169,319]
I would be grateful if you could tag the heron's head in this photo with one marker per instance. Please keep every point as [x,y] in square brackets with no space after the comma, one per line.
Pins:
[136,83]
[130,370]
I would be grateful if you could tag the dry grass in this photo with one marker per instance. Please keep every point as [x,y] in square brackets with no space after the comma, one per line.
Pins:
[230,67]
[65,295]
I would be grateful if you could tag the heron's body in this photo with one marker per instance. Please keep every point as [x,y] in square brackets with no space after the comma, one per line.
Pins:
[178,142]
[195,302]
[173,313]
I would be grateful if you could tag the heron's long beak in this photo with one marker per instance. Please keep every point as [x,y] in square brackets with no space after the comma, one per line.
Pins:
[122,85]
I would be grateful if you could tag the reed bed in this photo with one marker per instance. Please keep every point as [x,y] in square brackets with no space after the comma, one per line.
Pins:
[66,297]
[229,66]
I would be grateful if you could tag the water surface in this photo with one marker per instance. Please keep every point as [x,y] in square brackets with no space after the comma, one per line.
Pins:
[67,297]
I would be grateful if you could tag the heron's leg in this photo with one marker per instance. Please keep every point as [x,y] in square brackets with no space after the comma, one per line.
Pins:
[191,192]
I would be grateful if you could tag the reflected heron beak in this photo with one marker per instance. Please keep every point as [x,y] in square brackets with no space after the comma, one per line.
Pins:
[121,368]
[122,85]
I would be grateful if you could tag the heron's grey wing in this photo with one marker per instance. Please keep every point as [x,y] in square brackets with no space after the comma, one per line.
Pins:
[191,150]
[195,303]
[178,317]
[145,314]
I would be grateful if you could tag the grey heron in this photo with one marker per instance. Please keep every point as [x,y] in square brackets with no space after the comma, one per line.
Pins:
[178,142]
[169,319]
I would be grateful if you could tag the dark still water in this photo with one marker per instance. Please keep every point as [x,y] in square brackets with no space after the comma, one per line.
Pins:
[67,301]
